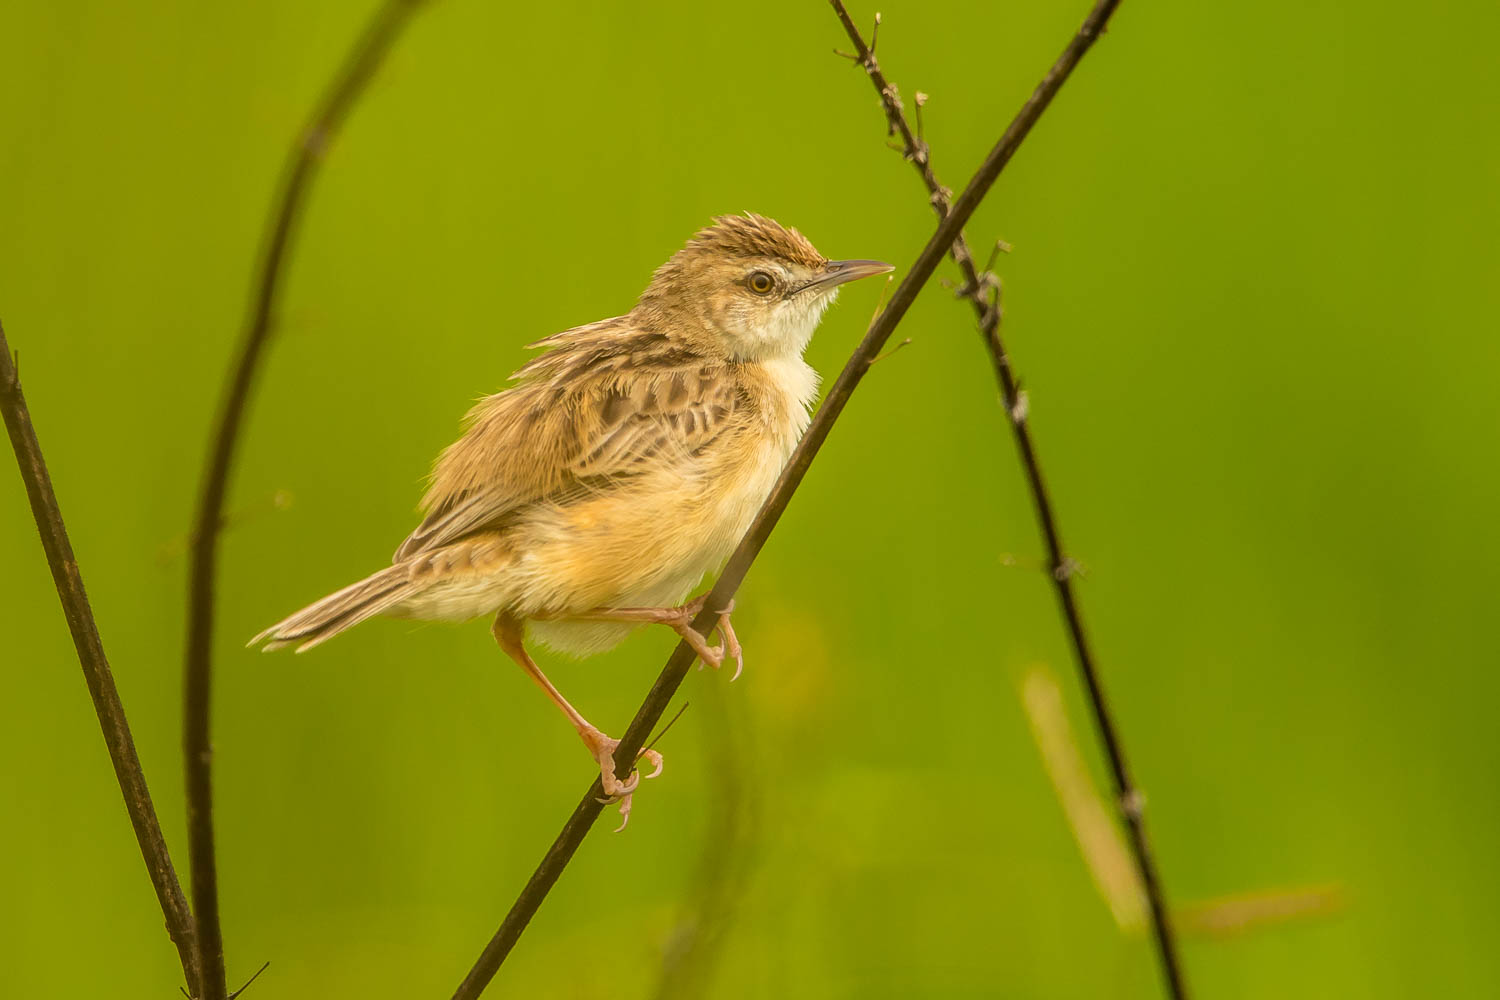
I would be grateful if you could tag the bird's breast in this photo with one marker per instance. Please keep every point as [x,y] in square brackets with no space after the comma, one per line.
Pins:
[649,540]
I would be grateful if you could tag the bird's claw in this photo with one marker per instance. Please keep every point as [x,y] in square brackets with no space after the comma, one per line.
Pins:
[603,749]
[729,644]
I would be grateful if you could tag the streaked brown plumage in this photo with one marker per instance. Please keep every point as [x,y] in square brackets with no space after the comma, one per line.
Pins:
[624,464]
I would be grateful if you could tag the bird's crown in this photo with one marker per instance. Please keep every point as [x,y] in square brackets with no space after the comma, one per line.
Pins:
[752,235]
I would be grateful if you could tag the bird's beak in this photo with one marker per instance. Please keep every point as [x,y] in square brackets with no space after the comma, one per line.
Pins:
[839,271]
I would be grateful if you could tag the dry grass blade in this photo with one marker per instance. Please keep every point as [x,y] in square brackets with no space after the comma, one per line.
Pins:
[1229,916]
[1099,840]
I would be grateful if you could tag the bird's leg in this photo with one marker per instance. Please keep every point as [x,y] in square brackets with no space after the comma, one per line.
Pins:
[680,620]
[509,634]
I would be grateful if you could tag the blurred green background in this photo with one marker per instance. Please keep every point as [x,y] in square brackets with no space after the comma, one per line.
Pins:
[1253,296]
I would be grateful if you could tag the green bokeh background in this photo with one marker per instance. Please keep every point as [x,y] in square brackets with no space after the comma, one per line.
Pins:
[1253,296]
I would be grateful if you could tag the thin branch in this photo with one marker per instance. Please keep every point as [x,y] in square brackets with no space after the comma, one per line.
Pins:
[893,350]
[96,672]
[236,994]
[307,151]
[982,291]
[681,660]
[668,727]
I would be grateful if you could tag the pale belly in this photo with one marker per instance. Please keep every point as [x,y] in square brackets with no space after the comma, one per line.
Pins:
[653,553]
[648,544]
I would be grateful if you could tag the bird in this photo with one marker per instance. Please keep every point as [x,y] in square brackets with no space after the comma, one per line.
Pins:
[619,467]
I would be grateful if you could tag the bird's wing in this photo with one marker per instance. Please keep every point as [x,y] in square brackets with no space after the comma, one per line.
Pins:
[590,414]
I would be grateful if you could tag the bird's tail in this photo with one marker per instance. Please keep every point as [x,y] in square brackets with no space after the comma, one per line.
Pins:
[343,609]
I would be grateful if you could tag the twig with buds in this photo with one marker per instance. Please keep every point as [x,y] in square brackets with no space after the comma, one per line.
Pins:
[982,290]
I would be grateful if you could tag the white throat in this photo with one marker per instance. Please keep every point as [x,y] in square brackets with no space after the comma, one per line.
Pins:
[787,331]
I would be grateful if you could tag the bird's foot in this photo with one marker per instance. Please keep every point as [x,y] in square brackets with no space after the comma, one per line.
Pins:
[729,643]
[603,750]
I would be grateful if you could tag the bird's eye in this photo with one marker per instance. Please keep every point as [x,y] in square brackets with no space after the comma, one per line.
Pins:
[760,283]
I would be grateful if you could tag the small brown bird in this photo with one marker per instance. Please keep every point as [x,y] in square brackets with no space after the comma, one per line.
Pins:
[625,462]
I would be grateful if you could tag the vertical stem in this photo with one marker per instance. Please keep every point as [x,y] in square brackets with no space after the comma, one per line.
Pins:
[306,153]
[1127,796]
[96,672]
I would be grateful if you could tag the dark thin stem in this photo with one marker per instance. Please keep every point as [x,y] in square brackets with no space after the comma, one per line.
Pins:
[302,161]
[982,291]
[96,672]
[681,660]
[236,994]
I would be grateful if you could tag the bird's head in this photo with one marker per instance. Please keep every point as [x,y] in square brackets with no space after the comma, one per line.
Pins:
[750,288]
